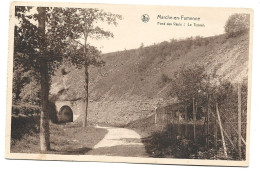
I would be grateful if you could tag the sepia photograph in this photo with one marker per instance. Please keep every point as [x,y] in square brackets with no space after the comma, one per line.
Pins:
[129,83]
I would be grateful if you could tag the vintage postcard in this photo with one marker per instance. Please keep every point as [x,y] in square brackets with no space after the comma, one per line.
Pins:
[129,83]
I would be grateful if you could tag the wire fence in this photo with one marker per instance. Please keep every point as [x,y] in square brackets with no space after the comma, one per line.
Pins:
[218,124]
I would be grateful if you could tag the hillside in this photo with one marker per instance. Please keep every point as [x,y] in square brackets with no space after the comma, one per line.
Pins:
[133,81]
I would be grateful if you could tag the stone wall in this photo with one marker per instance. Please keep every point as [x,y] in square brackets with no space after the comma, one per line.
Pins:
[119,112]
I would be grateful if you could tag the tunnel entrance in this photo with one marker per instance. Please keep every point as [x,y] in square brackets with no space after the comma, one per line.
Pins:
[65,114]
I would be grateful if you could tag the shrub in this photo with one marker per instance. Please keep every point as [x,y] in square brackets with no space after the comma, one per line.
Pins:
[22,125]
[25,109]
[237,24]
[165,78]
[187,83]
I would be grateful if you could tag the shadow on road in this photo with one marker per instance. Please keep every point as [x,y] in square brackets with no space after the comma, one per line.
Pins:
[120,150]
[78,151]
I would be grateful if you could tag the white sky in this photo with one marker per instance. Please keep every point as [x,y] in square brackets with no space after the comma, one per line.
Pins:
[131,31]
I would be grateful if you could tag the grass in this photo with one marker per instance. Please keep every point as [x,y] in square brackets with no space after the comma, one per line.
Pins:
[68,138]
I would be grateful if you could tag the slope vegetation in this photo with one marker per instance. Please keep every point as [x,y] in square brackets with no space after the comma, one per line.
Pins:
[132,82]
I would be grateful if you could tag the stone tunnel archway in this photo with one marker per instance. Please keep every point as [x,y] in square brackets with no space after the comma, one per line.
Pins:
[65,114]
[77,107]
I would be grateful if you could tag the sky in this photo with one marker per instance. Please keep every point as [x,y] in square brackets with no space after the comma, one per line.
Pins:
[131,32]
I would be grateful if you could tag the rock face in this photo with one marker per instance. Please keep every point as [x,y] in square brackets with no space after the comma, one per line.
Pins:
[66,95]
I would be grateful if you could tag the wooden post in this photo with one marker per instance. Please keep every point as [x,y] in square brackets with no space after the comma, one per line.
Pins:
[186,122]
[207,136]
[243,140]
[229,139]
[221,132]
[178,123]
[216,132]
[186,113]
[203,128]
[239,120]
[155,116]
[194,120]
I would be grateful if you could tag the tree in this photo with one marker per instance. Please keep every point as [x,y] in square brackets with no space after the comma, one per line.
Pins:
[188,83]
[85,23]
[44,82]
[39,45]
[237,24]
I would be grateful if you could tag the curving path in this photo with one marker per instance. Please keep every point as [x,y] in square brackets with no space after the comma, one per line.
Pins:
[119,142]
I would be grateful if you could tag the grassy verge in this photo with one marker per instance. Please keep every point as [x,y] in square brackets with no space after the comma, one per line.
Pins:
[68,138]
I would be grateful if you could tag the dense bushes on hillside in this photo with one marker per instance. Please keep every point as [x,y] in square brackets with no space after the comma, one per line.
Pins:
[175,48]
[25,86]
[237,24]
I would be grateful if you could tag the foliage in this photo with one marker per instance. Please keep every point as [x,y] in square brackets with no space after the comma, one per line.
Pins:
[28,41]
[237,24]
[25,87]
[25,109]
[166,143]
[30,47]
[187,83]
[24,125]
[62,23]
[85,24]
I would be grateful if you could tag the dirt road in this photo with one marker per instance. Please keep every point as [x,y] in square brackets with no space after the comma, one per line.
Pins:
[119,142]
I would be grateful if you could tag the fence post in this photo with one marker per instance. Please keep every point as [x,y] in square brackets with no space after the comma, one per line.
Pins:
[221,132]
[207,136]
[178,125]
[186,122]
[239,120]
[194,120]
[155,116]
[216,132]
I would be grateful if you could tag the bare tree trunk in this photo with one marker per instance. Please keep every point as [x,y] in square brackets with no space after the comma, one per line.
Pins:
[86,97]
[44,121]
[86,83]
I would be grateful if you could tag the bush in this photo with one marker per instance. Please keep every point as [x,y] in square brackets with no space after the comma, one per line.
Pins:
[167,143]
[165,79]
[25,109]
[187,83]
[22,125]
[237,24]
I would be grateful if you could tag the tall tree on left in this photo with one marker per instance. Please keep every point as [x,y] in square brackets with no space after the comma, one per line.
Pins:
[44,80]
[38,47]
